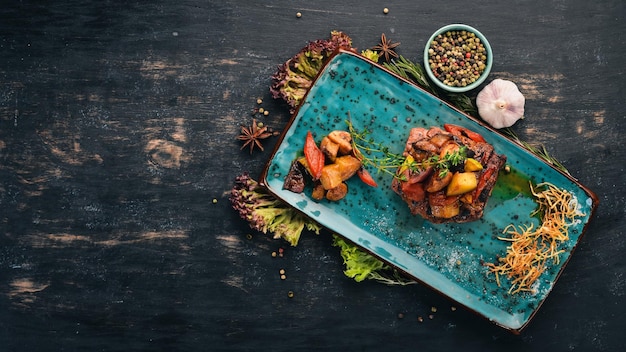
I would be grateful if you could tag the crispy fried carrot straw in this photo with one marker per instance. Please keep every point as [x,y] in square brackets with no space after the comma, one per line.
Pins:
[531,247]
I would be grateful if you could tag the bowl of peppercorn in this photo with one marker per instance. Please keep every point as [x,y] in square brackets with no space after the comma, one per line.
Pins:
[457,58]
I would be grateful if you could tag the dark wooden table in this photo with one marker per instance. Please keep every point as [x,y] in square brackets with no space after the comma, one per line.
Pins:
[117,152]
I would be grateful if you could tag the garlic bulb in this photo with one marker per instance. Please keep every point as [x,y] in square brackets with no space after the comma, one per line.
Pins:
[500,103]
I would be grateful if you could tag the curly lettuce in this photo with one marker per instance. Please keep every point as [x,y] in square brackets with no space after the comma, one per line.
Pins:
[361,265]
[294,78]
[267,214]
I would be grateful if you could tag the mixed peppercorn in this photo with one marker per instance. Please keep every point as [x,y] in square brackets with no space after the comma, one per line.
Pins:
[457,58]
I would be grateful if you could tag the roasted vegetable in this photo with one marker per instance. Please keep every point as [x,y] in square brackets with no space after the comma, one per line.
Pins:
[342,169]
[461,182]
[314,156]
[294,78]
[337,193]
[472,165]
[329,148]
[329,166]
[265,213]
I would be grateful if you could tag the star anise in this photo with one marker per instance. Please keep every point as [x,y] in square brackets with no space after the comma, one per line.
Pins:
[253,135]
[386,47]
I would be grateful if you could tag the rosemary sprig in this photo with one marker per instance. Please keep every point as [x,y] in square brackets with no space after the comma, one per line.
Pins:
[411,71]
[414,72]
[538,150]
[378,156]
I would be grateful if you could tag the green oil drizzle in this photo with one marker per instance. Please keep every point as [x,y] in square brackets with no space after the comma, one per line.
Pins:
[511,184]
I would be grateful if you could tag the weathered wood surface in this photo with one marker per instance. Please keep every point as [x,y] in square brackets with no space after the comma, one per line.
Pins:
[117,132]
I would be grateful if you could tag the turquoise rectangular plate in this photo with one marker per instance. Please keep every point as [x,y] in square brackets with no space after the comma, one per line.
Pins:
[447,257]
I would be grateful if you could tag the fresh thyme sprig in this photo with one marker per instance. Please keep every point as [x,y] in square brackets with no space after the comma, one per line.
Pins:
[365,148]
[378,156]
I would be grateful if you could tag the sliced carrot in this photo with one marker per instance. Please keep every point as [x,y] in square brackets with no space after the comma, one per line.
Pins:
[314,156]
[366,177]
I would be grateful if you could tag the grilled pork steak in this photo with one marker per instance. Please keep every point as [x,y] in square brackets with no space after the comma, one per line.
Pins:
[450,175]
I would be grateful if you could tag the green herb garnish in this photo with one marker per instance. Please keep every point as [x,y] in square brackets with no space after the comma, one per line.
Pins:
[360,265]
[538,150]
[374,154]
[414,72]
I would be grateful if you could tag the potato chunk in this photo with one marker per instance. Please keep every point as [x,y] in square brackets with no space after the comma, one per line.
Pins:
[462,182]
[348,165]
[337,193]
[343,168]
[343,139]
[329,148]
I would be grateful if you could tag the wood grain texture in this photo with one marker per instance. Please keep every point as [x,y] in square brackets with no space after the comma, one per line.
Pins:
[117,133]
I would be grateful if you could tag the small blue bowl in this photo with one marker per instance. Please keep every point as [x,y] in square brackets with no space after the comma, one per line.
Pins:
[483,75]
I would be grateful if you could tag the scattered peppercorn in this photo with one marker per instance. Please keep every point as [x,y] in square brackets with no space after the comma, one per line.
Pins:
[214,200]
[266,112]
[433,309]
[385,10]
[274,254]
[282,271]
[431,317]
[457,58]
[249,236]
[298,14]
[453,308]
[290,294]
[420,319]
[283,277]
[259,101]
[400,315]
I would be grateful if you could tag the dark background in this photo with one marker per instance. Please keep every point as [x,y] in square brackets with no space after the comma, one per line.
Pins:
[117,133]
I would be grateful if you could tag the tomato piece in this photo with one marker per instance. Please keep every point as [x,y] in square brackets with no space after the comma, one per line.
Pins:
[314,156]
[414,191]
[459,131]
[366,177]
[482,181]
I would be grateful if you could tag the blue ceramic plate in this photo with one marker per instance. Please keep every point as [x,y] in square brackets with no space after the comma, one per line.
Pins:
[447,257]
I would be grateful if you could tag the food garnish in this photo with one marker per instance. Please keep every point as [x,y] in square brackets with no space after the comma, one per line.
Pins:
[500,103]
[378,156]
[362,266]
[386,48]
[253,135]
[539,150]
[266,213]
[414,72]
[532,247]
[294,78]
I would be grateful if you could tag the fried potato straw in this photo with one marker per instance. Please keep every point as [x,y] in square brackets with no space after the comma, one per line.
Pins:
[532,247]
